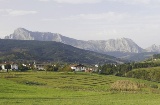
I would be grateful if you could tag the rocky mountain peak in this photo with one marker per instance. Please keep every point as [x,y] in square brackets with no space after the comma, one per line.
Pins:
[18,30]
[153,48]
[23,34]
[101,46]
[119,45]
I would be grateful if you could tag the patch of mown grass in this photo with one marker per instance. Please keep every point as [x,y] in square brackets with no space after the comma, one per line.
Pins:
[125,85]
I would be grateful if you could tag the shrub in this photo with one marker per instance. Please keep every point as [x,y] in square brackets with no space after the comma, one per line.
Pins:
[66,68]
[154,86]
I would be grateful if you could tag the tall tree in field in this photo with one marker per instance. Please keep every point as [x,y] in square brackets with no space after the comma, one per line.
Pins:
[0,67]
[7,66]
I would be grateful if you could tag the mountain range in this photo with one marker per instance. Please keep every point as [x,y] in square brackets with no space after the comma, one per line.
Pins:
[122,48]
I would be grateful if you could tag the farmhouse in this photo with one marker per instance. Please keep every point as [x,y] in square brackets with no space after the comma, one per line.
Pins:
[40,66]
[78,67]
[14,66]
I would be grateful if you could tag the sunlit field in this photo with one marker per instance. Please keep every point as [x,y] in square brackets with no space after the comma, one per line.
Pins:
[62,88]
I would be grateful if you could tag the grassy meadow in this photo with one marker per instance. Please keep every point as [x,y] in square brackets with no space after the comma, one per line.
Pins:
[62,88]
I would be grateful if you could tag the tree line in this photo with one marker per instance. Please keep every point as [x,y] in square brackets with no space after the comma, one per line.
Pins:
[141,70]
[122,69]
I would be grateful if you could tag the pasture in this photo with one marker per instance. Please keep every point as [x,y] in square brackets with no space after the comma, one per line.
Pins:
[62,88]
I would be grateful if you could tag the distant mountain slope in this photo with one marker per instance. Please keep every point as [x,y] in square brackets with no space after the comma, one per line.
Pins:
[101,46]
[153,48]
[49,51]
[140,56]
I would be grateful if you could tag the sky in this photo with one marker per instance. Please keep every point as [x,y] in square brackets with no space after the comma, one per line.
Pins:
[138,20]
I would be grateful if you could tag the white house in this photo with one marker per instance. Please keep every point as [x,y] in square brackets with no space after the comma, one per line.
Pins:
[3,66]
[39,66]
[78,67]
[14,66]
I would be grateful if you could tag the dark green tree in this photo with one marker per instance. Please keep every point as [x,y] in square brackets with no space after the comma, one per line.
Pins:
[0,67]
[49,68]
[22,68]
[7,66]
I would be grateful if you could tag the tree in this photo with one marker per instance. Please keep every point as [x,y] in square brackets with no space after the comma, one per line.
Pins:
[0,67]
[49,68]
[55,68]
[22,68]
[7,66]
[66,68]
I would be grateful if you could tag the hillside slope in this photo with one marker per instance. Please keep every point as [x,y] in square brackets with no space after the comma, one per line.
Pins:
[49,51]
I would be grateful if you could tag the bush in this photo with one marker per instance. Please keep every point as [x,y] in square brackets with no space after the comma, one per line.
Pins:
[49,68]
[154,86]
[66,68]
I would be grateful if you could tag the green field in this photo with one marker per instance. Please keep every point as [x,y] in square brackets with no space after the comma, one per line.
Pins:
[58,88]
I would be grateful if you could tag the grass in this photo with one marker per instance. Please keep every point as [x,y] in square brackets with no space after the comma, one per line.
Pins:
[39,88]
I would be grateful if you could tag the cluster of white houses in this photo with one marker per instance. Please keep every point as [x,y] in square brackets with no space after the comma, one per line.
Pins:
[14,66]
[76,67]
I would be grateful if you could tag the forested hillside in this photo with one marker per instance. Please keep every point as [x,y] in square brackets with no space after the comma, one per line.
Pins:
[14,50]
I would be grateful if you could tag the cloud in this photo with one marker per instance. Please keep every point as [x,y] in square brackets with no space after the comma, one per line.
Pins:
[74,1]
[107,17]
[78,1]
[11,12]
[124,20]
[133,2]
[49,19]
[94,19]
[44,0]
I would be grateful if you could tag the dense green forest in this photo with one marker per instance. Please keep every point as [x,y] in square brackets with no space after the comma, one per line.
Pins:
[147,70]
[17,50]
[156,56]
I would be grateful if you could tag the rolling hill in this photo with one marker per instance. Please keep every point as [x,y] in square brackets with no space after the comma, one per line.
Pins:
[14,50]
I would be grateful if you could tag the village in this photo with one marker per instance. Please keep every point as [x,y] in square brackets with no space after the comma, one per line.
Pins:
[11,66]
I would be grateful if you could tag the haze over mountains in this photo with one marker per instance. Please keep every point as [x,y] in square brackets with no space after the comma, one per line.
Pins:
[123,48]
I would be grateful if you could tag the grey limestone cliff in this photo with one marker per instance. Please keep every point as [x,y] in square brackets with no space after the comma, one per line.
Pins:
[102,46]
[153,48]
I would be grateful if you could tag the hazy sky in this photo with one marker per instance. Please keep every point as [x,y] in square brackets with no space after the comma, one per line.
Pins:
[138,20]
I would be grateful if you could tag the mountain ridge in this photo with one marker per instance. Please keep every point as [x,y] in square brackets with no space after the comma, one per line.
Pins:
[124,48]
[153,48]
[101,46]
